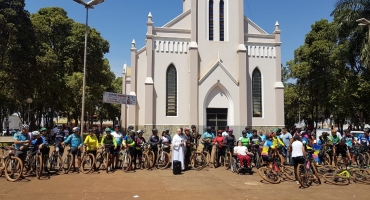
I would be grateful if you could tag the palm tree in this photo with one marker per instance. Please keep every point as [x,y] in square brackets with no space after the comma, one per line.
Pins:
[345,13]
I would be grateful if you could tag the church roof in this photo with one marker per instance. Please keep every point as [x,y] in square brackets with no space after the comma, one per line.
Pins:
[254,25]
[218,63]
[177,19]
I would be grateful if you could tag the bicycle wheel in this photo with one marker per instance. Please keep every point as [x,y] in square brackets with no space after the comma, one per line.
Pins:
[288,172]
[336,178]
[227,160]
[27,163]
[258,161]
[302,176]
[126,162]
[38,164]
[107,159]
[163,160]
[99,160]
[327,160]
[2,166]
[216,163]
[361,175]
[151,159]
[207,157]
[145,161]
[55,163]
[367,158]
[316,174]
[87,163]
[67,163]
[13,169]
[198,161]
[268,175]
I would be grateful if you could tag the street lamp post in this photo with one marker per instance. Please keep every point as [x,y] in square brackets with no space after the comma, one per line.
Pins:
[88,5]
[29,101]
[364,22]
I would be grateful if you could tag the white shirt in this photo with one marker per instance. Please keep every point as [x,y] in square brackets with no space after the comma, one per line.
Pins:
[297,149]
[240,150]
[224,134]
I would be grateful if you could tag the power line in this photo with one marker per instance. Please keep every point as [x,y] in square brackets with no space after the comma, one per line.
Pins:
[246,1]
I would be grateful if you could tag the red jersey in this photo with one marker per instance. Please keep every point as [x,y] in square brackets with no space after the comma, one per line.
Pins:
[219,140]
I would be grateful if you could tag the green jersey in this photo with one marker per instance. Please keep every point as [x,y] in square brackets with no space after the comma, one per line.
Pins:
[244,141]
[335,140]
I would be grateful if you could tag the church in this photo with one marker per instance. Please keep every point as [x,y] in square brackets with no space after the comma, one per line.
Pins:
[209,66]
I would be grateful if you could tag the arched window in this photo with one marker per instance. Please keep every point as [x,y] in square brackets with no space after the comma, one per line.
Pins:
[222,21]
[210,20]
[257,93]
[171,91]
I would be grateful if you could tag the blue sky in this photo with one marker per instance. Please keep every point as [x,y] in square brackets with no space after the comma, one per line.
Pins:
[120,21]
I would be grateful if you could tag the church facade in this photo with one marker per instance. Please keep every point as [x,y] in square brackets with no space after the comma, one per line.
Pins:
[209,66]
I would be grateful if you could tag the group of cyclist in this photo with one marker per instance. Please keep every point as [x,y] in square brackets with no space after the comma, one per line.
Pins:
[250,144]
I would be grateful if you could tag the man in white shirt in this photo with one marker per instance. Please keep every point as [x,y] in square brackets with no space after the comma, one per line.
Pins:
[118,136]
[226,132]
[242,153]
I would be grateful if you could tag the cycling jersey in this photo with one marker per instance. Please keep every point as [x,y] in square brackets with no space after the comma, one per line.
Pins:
[138,142]
[364,140]
[255,140]
[129,140]
[323,140]
[108,140]
[74,141]
[349,140]
[20,137]
[207,135]
[219,140]
[59,137]
[244,141]
[266,148]
[118,137]
[91,142]
[277,142]
[341,148]
[45,139]
[230,140]
[36,142]
[335,139]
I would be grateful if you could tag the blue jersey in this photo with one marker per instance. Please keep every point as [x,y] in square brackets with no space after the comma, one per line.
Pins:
[249,135]
[59,137]
[207,135]
[349,140]
[364,140]
[74,141]
[37,141]
[21,137]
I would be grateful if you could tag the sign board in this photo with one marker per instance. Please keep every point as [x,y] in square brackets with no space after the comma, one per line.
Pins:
[131,100]
[109,97]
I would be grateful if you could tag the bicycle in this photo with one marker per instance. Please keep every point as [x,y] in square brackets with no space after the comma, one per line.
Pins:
[55,162]
[273,175]
[87,162]
[33,161]
[344,176]
[257,159]
[197,159]
[228,156]
[103,159]
[69,161]
[10,165]
[146,162]
[163,158]
[126,159]
[307,172]
[206,146]
[217,161]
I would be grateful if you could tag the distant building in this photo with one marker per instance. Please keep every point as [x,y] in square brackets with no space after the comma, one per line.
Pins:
[12,122]
[209,66]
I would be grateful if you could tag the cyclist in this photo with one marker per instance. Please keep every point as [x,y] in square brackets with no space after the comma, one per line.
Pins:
[298,153]
[219,141]
[286,137]
[267,150]
[168,135]
[111,143]
[256,141]
[139,141]
[118,137]
[195,134]
[326,144]
[364,139]
[45,150]
[129,142]
[188,144]
[59,138]
[249,133]
[230,140]
[22,142]
[242,153]
[154,141]
[342,149]
[244,139]
[36,140]
[350,140]
[261,135]
[165,141]
[207,139]
[75,143]
[92,144]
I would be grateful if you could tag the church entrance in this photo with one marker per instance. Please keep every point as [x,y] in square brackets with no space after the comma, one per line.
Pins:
[217,118]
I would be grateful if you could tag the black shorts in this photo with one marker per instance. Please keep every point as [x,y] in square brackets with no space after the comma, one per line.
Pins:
[267,158]
[76,152]
[111,150]
[343,153]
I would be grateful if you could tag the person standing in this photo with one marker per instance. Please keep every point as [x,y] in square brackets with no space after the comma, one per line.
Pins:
[154,141]
[286,137]
[207,139]
[178,149]
[226,132]
[298,153]
[119,138]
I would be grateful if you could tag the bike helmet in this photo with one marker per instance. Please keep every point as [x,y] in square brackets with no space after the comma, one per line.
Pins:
[154,131]
[42,129]
[366,130]
[132,131]
[193,126]
[75,129]
[343,140]
[139,132]
[279,130]
[268,135]
[60,125]
[107,130]
[167,130]
[130,128]
[244,132]
[25,126]
[116,126]
[35,133]
[346,131]
[231,130]
[254,131]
